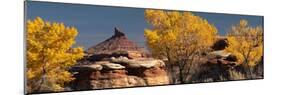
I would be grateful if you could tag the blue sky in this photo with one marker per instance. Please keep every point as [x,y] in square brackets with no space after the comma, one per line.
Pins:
[96,23]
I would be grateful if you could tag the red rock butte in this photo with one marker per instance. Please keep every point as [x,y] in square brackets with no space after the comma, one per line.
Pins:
[118,42]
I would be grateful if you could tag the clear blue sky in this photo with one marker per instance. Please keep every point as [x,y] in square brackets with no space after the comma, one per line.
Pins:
[96,23]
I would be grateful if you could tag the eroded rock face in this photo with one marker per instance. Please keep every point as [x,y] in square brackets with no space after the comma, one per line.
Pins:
[156,76]
[119,72]
[220,44]
[217,67]
[113,79]
[117,42]
[117,62]
[147,63]
[112,66]
[135,54]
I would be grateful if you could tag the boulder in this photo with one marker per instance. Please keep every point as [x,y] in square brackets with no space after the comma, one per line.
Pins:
[220,44]
[130,63]
[152,63]
[112,66]
[217,68]
[96,67]
[231,58]
[220,54]
[135,54]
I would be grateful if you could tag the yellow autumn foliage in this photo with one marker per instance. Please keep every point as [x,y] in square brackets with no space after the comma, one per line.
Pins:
[178,36]
[49,55]
[177,32]
[246,43]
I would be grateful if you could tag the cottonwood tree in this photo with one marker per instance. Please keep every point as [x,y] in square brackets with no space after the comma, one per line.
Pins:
[246,43]
[49,55]
[179,37]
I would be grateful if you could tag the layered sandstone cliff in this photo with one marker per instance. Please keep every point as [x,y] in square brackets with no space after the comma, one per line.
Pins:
[117,62]
[119,72]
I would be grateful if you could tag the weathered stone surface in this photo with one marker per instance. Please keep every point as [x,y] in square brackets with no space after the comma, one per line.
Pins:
[117,42]
[112,66]
[96,67]
[135,54]
[212,61]
[149,63]
[217,68]
[220,44]
[128,81]
[220,53]
[136,81]
[112,74]
[118,62]
[82,68]
[156,76]
[231,58]
[114,78]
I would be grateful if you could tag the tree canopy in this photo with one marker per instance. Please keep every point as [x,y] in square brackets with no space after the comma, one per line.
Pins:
[246,42]
[178,36]
[50,54]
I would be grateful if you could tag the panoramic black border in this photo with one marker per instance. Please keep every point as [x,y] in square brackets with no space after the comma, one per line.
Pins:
[24,46]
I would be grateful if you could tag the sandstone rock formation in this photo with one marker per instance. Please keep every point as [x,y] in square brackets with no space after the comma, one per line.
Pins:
[117,62]
[111,74]
[220,44]
[117,45]
[218,67]
[147,63]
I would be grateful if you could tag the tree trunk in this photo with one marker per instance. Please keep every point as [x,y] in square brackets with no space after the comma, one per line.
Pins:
[248,70]
[181,76]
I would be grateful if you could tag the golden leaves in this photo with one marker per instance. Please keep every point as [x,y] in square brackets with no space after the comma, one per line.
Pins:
[246,43]
[173,30]
[50,54]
